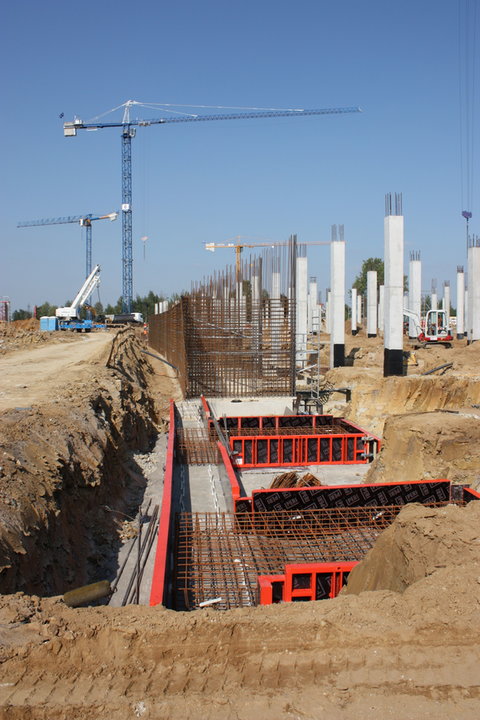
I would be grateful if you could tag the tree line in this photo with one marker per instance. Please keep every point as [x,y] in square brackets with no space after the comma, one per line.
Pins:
[144,305]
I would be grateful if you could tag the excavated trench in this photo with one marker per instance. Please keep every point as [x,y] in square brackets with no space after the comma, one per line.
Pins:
[62,463]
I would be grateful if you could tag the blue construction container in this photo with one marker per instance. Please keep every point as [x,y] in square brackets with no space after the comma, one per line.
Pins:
[48,323]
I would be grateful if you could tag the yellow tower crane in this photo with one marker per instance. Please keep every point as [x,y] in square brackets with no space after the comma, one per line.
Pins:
[238,246]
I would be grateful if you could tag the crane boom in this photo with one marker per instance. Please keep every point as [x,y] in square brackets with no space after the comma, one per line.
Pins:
[127,125]
[80,219]
[83,220]
[72,312]
[238,247]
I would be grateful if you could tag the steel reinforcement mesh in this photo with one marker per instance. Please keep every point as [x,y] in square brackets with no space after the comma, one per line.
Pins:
[218,557]
[197,446]
[224,348]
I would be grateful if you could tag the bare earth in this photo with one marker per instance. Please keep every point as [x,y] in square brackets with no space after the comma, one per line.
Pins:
[29,377]
[399,643]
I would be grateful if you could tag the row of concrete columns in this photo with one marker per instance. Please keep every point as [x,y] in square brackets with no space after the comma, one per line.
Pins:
[161,307]
[412,300]
[384,304]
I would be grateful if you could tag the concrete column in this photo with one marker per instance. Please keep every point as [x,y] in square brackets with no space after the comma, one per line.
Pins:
[381,307]
[312,302]
[337,313]
[302,300]
[275,314]
[354,311]
[434,296]
[465,305]
[460,302]
[474,290]
[446,297]
[372,303]
[328,314]
[393,334]
[415,292]
[256,281]
[241,305]
[256,285]
[359,310]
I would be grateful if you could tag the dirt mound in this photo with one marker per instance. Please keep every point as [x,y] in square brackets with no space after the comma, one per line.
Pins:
[376,654]
[26,334]
[430,445]
[418,544]
[375,398]
[28,324]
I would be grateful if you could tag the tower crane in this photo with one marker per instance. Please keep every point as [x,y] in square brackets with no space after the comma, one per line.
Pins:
[128,130]
[238,247]
[84,221]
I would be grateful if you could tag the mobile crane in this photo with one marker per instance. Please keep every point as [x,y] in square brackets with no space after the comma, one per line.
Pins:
[69,316]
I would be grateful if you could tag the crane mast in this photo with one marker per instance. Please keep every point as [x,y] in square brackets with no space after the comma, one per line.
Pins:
[128,132]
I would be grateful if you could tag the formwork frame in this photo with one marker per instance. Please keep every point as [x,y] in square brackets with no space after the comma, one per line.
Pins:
[301,582]
[220,557]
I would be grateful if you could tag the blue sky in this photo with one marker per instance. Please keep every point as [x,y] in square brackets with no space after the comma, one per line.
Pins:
[207,182]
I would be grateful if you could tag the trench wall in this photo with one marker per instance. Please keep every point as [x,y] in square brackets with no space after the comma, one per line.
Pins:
[61,464]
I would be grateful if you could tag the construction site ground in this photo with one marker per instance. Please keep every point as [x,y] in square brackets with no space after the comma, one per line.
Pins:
[81,417]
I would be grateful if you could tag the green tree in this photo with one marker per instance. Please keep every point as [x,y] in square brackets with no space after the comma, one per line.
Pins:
[360,282]
[21,315]
[146,304]
[45,310]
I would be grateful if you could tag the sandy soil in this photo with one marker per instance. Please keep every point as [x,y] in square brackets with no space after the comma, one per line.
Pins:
[397,644]
[30,376]
[389,649]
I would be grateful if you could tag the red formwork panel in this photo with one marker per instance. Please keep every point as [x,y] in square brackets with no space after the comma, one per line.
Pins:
[234,485]
[266,499]
[157,590]
[278,422]
[206,409]
[304,582]
[297,450]
[264,440]
[467,492]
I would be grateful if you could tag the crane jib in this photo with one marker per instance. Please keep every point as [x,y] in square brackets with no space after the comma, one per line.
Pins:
[206,118]
[70,130]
